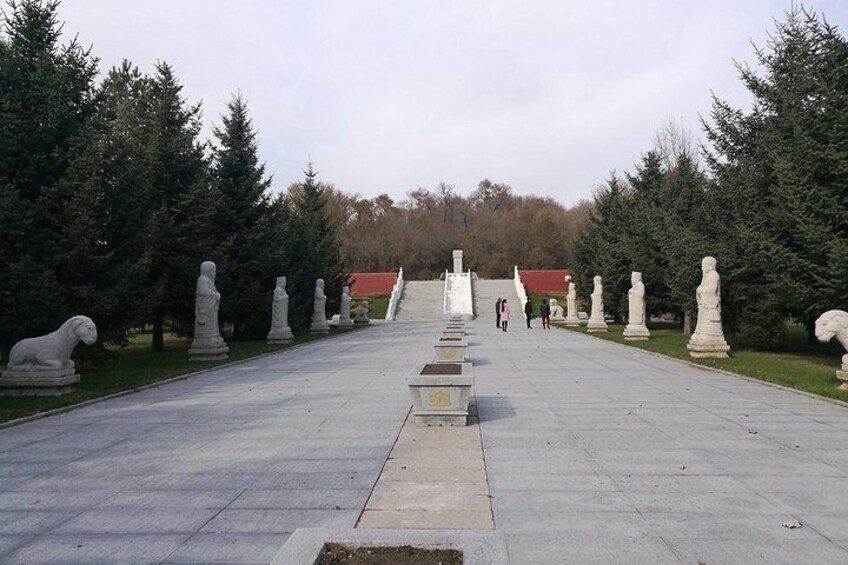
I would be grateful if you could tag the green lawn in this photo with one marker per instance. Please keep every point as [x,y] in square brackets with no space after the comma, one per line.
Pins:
[799,365]
[377,305]
[135,366]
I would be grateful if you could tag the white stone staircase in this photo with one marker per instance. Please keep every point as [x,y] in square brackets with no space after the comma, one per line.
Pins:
[486,292]
[421,300]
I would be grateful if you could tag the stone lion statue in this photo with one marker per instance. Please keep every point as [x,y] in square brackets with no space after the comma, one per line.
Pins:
[834,323]
[53,351]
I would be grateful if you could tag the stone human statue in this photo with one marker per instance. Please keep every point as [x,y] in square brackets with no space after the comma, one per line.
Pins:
[280,330]
[708,338]
[344,312]
[208,343]
[571,318]
[834,323]
[361,316]
[557,314]
[43,365]
[636,328]
[596,319]
[319,310]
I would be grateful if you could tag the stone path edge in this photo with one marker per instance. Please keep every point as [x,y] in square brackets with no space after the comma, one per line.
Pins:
[836,401]
[63,409]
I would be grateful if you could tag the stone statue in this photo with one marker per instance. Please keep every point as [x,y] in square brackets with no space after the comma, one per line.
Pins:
[708,338]
[319,310]
[361,316]
[43,365]
[636,328]
[557,315]
[571,318]
[834,323]
[344,312]
[596,319]
[208,343]
[280,330]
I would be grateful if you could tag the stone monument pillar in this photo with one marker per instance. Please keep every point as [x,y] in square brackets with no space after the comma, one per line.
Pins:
[42,365]
[571,318]
[457,260]
[636,328]
[596,319]
[708,338]
[834,323]
[344,313]
[208,344]
[319,310]
[280,330]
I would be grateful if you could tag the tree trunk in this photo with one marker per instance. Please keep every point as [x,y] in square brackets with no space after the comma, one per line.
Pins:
[687,323]
[158,330]
[811,333]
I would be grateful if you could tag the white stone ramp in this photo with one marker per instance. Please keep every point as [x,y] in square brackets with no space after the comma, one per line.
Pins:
[421,300]
[487,292]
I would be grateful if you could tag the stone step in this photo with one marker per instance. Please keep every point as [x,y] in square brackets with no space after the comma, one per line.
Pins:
[421,300]
[486,293]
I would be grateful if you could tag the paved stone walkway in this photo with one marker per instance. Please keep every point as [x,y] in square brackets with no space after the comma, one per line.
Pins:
[595,453]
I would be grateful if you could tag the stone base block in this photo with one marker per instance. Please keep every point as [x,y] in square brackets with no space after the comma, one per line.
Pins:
[50,382]
[196,353]
[636,333]
[441,400]
[571,322]
[843,376]
[597,326]
[320,328]
[450,351]
[557,319]
[701,351]
[280,336]
[361,322]
[346,323]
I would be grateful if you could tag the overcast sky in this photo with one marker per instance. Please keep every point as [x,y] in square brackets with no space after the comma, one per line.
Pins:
[389,96]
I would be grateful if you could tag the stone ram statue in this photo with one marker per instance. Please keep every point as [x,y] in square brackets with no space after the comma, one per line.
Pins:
[52,351]
[834,323]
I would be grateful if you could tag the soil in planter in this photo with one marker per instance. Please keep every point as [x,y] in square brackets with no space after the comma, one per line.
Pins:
[442,369]
[338,554]
[451,339]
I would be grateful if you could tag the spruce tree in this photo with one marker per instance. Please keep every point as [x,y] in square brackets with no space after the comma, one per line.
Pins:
[252,253]
[315,251]
[46,98]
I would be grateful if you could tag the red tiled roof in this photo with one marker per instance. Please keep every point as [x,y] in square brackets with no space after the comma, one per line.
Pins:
[372,283]
[544,281]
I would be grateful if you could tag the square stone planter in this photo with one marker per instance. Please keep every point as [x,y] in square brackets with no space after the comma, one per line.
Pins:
[441,394]
[450,333]
[449,350]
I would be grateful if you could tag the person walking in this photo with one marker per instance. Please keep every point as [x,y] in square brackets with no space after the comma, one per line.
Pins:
[545,313]
[504,314]
[498,313]
[528,312]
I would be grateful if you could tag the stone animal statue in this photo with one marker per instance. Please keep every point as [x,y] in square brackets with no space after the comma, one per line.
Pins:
[53,351]
[834,323]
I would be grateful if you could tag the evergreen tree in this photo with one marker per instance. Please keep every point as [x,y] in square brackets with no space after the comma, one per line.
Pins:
[252,256]
[316,251]
[184,206]
[46,98]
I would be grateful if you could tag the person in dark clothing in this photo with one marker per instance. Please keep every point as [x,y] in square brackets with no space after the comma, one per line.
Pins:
[528,312]
[545,312]
[498,314]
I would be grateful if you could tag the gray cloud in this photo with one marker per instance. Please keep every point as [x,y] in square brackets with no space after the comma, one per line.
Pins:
[387,96]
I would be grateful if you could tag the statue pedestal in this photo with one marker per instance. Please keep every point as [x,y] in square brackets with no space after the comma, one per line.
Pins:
[843,376]
[208,350]
[345,323]
[572,321]
[38,382]
[636,332]
[700,346]
[280,335]
[319,327]
[596,326]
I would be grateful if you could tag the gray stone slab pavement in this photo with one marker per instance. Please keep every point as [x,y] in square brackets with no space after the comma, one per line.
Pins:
[595,453]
